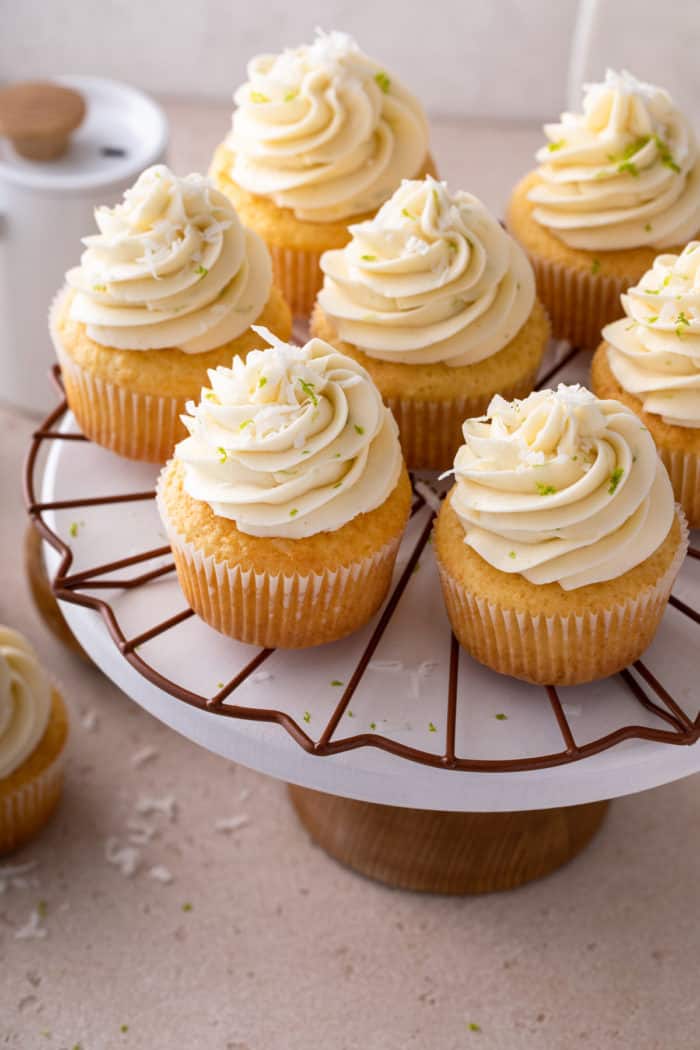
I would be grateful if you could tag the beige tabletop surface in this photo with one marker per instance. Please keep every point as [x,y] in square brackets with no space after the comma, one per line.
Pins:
[260,941]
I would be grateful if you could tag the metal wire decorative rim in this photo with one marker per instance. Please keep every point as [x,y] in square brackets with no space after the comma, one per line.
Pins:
[69,587]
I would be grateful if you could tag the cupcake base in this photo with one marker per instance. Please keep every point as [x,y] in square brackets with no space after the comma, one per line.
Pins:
[130,401]
[296,245]
[543,634]
[431,402]
[280,593]
[30,794]
[678,447]
[580,290]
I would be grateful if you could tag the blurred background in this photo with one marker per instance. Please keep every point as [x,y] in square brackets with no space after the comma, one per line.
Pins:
[464,58]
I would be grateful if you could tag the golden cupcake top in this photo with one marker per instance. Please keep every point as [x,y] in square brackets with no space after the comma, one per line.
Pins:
[290,442]
[171,266]
[432,278]
[623,173]
[654,351]
[324,130]
[561,487]
[25,700]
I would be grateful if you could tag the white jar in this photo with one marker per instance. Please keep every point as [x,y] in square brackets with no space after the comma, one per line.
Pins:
[45,209]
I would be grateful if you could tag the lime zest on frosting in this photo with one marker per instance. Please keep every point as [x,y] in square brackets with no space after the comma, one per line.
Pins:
[681,322]
[223,455]
[291,95]
[665,155]
[308,389]
[554,146]
[360,430]
[257,96]
[245,423]
[262,382]
[201,270]
[293,512]
[615,479]
[383,80]
[369,258]
[545,490]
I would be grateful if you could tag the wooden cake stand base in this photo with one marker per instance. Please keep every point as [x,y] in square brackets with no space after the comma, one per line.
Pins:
[42,595]
[439,852]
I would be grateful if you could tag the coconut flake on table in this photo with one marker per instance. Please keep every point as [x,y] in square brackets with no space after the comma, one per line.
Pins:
[14,876]
[261,676]
[145,754]
[140,833]
[126,858]
[89,721]
[32,929]
[167,806]
[228,824]
[159,873]
[385,665]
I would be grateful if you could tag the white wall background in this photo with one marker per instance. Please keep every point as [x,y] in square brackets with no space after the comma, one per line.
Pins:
[490,58]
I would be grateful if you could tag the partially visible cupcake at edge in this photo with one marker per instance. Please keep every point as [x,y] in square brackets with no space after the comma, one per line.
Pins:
[616,184]
[559,543]
[286,505]
[650,360]
[438,303]
[321,135]
[167,289]
[33,734]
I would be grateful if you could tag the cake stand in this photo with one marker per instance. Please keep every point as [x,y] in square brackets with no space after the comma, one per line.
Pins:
[405,759]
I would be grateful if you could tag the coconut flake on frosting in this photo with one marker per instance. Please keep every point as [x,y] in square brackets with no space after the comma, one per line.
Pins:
[561,487]
[25,701]
[432,278]
[291,441]
[324,130]
[623,174]
[172,266]
[654,352]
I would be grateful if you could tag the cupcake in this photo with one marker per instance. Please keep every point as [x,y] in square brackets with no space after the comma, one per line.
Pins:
[650,360]
[166,290]
[438,303]
[321,135]
[286,504]
[615,184]
[559,542]
[33,732]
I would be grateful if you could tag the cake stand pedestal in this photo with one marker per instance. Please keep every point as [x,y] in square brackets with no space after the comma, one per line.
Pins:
[438,852]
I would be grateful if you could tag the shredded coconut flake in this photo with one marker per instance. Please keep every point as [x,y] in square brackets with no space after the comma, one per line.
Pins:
[167,806]
[141,833]
[126,858]
[89,721]
[229,824]
[160,874]
[32,930]
[386,665]
[146,754]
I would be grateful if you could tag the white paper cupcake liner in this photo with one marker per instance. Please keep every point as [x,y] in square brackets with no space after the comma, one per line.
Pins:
[278,611]
[24,810]
[559,649]
[579,304]
[297,273]
[684,471]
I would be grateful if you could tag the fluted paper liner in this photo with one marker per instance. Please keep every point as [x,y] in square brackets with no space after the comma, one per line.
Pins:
[579,304]
[135,425]
[278,611]
[684,471]
[559,649]
[431,431]
[26,807]
[297,273]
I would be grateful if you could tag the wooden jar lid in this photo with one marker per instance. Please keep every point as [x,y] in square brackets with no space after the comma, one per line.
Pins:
[38,117]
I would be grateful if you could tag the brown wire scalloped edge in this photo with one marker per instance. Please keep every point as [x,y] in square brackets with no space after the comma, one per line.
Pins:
[66,588]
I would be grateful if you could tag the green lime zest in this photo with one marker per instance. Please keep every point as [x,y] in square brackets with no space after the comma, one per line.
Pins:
[308,389]
[629,167]
[245,423]
[291,95]
[336,681]
[99,287]
[223,454]
[545,490]
[293,513]
[73,529]
[123,1028]
[501,717]
[595,267]
[359,429]
[665,155]
[201,270]
[262,381]
[307,716]
[373,725]
[407,214]
[554,146]
[474,1027]
[651,320]
[647,227]
[369,258]
[187,906]
[512,554]
[615,479]
[257,96]
[383,81]
[432,728]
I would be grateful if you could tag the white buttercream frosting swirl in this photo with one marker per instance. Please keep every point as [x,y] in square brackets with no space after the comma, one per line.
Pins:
[625,173]
[432,278]
[654,352]
[290,442]
[25,701]
[324,130]
[172,266]
[561,487]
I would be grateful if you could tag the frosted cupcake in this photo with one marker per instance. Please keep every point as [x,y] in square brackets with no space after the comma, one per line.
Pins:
[321,135]
[650,360]
[166,290]
[286,504]
[559,543]
[438,303]
[33,732]
[615,184]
